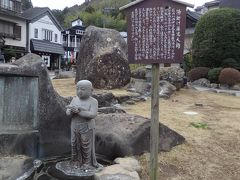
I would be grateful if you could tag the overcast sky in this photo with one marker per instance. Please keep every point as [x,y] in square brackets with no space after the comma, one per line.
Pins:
[61,4]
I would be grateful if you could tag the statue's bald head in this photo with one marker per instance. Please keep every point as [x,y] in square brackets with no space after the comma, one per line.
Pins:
[84,89]
[84,83]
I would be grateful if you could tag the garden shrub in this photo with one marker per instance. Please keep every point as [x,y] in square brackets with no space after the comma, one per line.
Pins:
[230,63]
[216,38]
[213,74]
[198,73]
[229,76]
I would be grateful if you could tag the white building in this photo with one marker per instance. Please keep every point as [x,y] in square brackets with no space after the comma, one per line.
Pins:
[44,36]
[12,29]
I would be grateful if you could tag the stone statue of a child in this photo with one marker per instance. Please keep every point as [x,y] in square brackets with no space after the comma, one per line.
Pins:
[83,108]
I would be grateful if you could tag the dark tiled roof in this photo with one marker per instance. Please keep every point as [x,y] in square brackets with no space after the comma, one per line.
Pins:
[230,3]
[212,3]
[36,13]
[195,15]
[199,8]
[46,46]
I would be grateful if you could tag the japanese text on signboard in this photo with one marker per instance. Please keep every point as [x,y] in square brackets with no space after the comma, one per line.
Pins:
[155,33]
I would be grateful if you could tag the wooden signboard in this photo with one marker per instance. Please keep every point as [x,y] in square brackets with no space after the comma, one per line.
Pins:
[156,30]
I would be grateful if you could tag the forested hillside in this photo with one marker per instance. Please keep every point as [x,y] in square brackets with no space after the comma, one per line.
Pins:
[101,13]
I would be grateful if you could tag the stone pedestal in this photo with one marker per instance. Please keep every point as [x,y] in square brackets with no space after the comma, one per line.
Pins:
[56,173]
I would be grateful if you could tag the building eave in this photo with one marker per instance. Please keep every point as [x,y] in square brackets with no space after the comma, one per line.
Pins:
[138,1]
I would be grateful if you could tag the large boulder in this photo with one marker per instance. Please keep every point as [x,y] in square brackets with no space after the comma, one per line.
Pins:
[120,135]
[51,128]
[103,58]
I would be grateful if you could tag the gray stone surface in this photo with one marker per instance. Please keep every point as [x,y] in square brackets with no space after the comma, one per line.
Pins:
[201,82]
[109,110]
[116,172]
[129,163]
[174,75]
[52,120]
[140,85]
[166,89]
[236,87]
[103,58]
[214,85]
[120,135]
[21,142]
[18,103]
[105,99]
[139,73]
[11,167]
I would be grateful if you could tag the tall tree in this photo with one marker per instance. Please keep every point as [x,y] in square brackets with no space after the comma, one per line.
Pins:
[26,4]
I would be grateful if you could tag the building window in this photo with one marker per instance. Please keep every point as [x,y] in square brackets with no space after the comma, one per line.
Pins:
[47,35]
[10,30]
[35,33]
[56,38]
[12,5]
[79,32]
[6,28]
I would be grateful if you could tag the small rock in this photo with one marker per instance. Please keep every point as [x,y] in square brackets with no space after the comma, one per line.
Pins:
[174,75]
[214,85]
[14,167]
[140,85]
[131,90]
[201,82]
[123,98]
[199,104]
[236,87]
[129,163]
[130,102]
[166,89]
[116,172]
[224,86]
[105,99]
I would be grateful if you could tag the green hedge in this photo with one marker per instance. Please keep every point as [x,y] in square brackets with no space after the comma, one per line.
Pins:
[216,38]
[213,74]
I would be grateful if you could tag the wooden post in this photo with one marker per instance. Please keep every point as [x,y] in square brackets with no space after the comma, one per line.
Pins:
[154,132]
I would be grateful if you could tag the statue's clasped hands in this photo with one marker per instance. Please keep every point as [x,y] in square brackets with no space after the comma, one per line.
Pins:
[73,109]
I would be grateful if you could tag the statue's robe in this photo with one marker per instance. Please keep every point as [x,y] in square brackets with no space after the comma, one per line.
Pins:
[83,131]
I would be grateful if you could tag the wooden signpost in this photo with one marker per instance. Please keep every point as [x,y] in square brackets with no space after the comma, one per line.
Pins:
[156,30]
